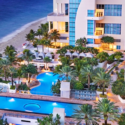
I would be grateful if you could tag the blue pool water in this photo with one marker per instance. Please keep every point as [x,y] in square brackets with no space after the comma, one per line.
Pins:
[46,80]
[35,106]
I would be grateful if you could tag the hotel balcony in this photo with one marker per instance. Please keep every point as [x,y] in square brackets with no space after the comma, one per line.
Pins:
[58,17]
[98,35]
[97,16]
[93,45]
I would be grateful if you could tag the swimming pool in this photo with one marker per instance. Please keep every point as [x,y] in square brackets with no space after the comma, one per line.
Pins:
[35,106]
[46,80]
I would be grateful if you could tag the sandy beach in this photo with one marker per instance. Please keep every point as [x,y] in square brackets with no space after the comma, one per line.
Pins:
[19,38]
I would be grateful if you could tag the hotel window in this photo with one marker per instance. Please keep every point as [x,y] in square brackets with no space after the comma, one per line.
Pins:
[100,6]
[90,30]
[73,7]
[91,13]
[118,47]
[66,27]
[51,25]
[111,9]
[117,40]
[90,41]
[112,28]
[66,9]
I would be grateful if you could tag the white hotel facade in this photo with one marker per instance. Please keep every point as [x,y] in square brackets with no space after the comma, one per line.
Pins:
[92,19]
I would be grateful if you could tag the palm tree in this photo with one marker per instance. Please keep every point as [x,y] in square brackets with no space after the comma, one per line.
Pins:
[12,71]
[27,55]
[39,33]
[107,110]
[30,69]
[42,42]
[4,66]
[46,35]
[81,42]
[47,60]
[48,43]
[66,73]
[93,61]
[36,42]
[19,74]
[65,61]
[103,79]
[30,37]
[85,112]
[8,49]
[87,72]
[54,35]
[44,28]
[3,122]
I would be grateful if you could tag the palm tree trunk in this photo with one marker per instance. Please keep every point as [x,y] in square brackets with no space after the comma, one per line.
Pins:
[5,75]
[42,48]
[18,80]
[28,78]
[106,122]
[48,49]
[37,47]
[88,81]
[12,79]
[103,89]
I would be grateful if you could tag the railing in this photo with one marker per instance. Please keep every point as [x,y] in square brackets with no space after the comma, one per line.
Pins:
[21,116]
[99,14]
[98,32]
[83,94]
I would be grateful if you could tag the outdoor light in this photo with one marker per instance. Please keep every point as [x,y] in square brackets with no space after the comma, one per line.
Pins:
[11,100]
[54,104]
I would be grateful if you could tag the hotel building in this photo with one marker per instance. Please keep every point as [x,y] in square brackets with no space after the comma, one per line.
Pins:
[92,19]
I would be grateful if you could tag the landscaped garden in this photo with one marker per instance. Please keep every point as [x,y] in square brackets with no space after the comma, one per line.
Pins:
[87,70]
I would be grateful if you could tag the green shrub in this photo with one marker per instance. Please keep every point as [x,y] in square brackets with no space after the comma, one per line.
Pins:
[79,86]
[118,54]
[110,59]
[1,80]
[103,96]
[52,53]
[23,87]
[12,87]
[100,90]
[122,119]
[5,82]
[107,124]
[56,88]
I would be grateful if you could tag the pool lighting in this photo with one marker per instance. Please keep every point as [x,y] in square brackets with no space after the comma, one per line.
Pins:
[11,100]
[54,104]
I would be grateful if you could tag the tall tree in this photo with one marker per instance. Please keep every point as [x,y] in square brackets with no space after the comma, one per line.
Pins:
[4,66]
[27,55]
[47,60]
[87,72]
[85,112]
[30,69]
[108,40]
[30,36]
[8,49]
[81,42]
[103,79]
[55,35]
[66,73]
[107,110]
[12,71]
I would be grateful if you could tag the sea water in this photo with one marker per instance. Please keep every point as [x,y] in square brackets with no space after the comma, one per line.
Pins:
[16,15]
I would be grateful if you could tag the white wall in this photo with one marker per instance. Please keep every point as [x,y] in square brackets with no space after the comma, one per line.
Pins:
[15,120]
[81,21]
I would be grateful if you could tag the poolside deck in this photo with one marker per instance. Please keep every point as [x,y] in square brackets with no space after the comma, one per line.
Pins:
[48,98]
